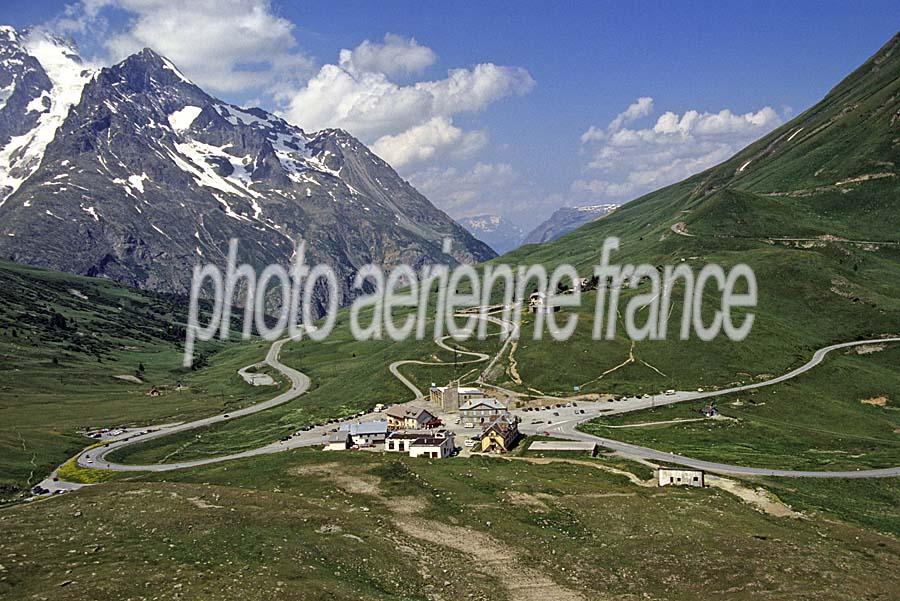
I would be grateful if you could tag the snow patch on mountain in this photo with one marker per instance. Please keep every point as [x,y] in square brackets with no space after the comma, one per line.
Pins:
[203,162]
[182,119]
[23,154]
[137,181]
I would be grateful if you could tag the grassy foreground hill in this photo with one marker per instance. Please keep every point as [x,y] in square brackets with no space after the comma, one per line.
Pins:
[310,525]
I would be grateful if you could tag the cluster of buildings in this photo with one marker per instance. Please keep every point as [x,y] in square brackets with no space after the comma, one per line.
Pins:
[408,430]
[499,429]
[420,433]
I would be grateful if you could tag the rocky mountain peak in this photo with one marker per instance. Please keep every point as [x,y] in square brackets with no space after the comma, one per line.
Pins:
[140,174]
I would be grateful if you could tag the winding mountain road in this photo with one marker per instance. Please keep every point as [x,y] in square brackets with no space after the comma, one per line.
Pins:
[567,429]
[507,327]
[300,383]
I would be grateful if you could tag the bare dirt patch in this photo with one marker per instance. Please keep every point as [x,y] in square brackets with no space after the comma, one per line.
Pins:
[876,401]
[513,369]
[757,497]
[486,554]
[129,378]
[524,499]
[405,505]
[868,349]
[358,484]
[492,556]
[202,504]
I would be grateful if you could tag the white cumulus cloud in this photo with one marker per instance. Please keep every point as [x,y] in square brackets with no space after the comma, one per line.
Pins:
[482,188]
[229,46]
[423,142]
[405,123]
[629,162]
[396,56]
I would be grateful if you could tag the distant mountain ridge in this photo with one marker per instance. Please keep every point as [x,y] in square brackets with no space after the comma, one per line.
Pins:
[566,219]
[497,232]
[133,173]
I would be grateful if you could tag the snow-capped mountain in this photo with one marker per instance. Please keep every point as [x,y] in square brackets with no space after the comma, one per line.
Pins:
[565,220]
[41,77]
[495,231]
[134,173]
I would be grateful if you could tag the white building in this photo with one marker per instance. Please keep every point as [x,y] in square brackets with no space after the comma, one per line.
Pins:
[367,433]
[433,447]
[679,477]
[400,441]
[338,441]
[421,443]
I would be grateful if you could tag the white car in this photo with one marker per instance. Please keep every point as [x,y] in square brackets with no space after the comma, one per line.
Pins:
[469,442]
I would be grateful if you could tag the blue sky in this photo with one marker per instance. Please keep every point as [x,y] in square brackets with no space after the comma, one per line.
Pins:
[510,133]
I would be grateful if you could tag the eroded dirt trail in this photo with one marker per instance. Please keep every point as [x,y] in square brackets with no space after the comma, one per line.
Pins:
[485,553]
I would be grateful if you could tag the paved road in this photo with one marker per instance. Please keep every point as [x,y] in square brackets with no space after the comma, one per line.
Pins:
[300,383]
[567,428]
[508,328]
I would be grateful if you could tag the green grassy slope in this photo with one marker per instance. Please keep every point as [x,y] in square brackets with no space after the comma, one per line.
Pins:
[829,177]
[311,525]
[63,339]
[814,208]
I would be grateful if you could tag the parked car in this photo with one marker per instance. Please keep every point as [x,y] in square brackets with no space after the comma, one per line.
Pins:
[469,442]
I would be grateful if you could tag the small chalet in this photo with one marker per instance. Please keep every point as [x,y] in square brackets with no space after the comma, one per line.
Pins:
[407,417]
[338,441]
[679,477]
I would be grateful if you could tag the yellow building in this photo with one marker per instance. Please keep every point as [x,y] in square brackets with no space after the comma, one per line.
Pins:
[500,435]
